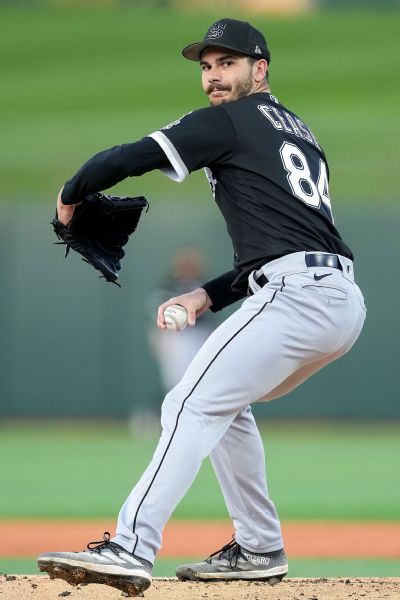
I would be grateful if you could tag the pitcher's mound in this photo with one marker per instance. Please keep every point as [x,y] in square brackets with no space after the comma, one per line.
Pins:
[40,587]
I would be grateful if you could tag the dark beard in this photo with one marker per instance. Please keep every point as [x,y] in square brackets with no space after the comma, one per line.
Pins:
[243,89]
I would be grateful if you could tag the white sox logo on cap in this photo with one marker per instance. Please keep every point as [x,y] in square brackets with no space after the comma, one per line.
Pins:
[216,31]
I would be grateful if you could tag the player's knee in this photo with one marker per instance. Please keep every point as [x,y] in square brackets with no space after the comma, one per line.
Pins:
[170,407]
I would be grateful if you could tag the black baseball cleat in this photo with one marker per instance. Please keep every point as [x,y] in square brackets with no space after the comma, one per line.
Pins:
[103,562]
[232,562]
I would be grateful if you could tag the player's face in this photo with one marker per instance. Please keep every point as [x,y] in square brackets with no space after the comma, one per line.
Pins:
[226,76]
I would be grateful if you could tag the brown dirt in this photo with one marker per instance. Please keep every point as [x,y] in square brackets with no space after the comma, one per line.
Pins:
[191,538]
[42,588]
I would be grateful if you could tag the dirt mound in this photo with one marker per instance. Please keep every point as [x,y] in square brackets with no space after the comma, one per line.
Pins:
[26,587]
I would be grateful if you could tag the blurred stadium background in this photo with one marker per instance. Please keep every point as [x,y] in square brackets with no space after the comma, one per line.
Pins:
[77,374]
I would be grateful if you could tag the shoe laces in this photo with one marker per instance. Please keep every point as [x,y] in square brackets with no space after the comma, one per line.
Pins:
[104,544]
[230,551]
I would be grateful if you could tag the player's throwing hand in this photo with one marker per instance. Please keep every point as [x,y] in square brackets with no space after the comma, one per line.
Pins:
[196,304]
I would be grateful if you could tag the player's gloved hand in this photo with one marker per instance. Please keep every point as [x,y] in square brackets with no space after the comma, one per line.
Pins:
[98,227]
[196,304]
[65,212]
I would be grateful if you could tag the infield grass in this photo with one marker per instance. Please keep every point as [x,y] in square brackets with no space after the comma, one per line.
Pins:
[165,567]
[316,471]
[75,81]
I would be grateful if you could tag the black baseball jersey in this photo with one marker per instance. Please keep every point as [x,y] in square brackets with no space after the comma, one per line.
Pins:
[268,174]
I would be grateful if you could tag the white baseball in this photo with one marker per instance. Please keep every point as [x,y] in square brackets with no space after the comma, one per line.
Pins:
[176,317]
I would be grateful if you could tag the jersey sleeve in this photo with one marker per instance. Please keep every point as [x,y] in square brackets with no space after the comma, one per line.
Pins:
[220,291]
[108,167]
[198,139]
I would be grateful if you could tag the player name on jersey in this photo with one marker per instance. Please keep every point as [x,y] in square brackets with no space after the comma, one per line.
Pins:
[283,120]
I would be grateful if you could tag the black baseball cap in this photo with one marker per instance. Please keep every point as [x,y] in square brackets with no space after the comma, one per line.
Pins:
[234,35]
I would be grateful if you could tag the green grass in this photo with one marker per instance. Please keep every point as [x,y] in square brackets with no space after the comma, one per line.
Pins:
[165,567]
[316,471]
[75,81]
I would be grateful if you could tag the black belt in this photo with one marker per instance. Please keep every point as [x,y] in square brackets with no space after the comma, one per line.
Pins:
[323,260]
[312,260]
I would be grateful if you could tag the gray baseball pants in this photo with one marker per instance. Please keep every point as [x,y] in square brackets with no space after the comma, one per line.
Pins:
[281,335]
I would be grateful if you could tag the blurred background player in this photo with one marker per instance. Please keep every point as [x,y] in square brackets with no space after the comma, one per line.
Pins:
[174,351]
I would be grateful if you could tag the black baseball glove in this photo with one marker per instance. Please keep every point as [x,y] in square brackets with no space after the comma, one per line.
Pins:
[100,227]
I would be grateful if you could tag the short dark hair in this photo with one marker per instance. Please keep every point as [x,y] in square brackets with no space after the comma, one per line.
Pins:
[253,60]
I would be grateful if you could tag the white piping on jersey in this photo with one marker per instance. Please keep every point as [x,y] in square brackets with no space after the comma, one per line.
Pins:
[179,171]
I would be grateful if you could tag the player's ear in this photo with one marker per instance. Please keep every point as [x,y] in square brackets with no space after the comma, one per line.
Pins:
[260,70]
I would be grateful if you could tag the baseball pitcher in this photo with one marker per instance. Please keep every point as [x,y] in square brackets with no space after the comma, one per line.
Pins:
[299,309]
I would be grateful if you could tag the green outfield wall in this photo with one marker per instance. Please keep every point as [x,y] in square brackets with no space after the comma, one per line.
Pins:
[73,345]
[76,80]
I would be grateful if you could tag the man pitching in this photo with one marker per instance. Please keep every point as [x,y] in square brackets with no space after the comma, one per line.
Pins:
[300,309]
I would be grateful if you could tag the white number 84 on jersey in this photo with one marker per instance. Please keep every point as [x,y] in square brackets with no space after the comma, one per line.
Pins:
[300,180]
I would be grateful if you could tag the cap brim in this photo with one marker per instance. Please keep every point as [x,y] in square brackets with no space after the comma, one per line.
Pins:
[193,51]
